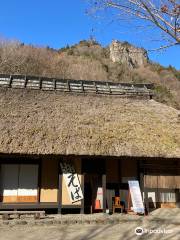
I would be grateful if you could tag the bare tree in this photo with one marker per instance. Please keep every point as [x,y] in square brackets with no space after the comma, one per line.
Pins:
[162,14]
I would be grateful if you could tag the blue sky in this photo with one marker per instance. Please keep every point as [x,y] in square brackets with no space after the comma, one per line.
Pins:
[57,23]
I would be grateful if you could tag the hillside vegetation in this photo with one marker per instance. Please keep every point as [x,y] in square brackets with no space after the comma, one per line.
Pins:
[87,60]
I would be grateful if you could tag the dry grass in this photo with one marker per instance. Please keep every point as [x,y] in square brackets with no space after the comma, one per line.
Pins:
[89,62]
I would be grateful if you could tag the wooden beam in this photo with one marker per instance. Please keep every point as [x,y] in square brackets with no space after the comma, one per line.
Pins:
[42,205]
[104,192]
[15,206]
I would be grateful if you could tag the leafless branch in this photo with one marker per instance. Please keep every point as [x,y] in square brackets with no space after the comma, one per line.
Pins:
[163,14]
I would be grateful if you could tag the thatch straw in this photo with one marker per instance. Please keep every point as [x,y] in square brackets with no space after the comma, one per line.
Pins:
[37,122]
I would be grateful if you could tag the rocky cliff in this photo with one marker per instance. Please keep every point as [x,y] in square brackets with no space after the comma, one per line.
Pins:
[123,52]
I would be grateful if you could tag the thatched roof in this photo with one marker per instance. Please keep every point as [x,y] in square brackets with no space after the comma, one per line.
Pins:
[37,122]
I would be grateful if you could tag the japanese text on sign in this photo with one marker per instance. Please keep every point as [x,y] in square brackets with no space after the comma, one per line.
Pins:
[136,196]
[72,182]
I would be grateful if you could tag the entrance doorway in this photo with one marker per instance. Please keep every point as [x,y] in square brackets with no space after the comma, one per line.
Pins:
[93,170]
[19,183]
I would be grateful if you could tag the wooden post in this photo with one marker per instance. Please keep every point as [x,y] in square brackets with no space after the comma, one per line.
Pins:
[95,87]
[82,201]
[129,201]
[141,176]
[142,183]
[39,180]
[68,86]
[10,80]
[107,84]
[104,192]
[54,81]
[40,83]
[146,199]
[25,81]
[60,192]
[82,86]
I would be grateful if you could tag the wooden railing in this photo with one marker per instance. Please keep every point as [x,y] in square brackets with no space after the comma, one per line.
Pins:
[80,86]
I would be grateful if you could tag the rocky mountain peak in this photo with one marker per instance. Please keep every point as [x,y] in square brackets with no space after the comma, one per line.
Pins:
[123,52]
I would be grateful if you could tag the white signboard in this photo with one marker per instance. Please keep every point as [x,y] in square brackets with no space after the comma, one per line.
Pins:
[136,197]
[72,182]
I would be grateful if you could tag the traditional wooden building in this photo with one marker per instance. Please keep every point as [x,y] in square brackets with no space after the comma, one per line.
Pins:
[104,140]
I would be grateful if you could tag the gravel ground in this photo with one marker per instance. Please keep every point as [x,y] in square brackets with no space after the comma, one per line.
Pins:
[95,227]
